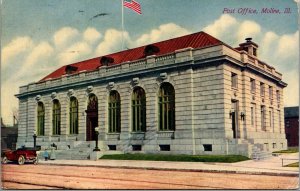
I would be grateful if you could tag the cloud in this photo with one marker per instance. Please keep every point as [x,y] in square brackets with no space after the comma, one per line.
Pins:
[42,51]
[163,32]
[8,101]
[291,92]
[269,41]
[15,47]
[248,29]
[222,25]
[91,35]
[269,38]
[112,42]
[30,69]
[74,53]
[281,51]
[64,35]
[288,45]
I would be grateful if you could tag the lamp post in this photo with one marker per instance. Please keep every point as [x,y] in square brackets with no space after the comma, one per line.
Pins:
[96,139]
[34,139]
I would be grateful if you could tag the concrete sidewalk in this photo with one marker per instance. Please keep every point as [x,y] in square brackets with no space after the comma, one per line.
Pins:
[270,166]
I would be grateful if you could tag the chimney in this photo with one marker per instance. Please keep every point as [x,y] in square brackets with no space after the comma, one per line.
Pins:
[249,46]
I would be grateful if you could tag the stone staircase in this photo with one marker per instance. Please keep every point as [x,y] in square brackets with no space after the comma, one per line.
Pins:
[81,151]
[78,151]
[258,153]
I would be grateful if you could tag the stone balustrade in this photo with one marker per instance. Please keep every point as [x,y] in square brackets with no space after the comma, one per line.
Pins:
[153,61]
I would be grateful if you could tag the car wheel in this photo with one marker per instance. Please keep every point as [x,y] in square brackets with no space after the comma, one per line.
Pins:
[21,160]
[4,160]
[36,160]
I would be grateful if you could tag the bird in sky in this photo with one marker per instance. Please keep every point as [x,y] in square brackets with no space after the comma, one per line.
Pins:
[99,15]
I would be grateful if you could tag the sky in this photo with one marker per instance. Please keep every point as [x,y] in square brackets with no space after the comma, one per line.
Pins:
[39,36]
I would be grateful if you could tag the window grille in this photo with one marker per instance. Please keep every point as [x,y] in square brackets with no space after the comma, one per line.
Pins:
[40,119]
[166,107]
[56,118]
[138,109]
[73,116]
[114,112]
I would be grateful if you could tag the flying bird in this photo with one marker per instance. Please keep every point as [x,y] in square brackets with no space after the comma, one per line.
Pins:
[80,11]
[99,15]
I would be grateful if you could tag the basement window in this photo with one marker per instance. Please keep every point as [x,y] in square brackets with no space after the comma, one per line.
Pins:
[112,147]
[164,147]
[136,147]
[207,147]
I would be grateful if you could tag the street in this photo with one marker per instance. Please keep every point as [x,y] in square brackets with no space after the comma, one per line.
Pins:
[30,176]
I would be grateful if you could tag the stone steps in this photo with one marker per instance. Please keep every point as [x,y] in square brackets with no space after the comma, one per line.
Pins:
[258,154]
[80,151]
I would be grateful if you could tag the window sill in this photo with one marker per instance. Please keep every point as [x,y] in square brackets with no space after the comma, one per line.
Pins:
[113,133]
[165,131]
[137,135]
[111,136]
[138,132]
[40,136]
[166,134]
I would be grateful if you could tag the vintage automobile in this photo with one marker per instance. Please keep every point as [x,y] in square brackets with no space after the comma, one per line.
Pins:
[21,155]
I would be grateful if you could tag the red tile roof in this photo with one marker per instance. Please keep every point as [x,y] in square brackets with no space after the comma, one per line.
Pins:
[196,40]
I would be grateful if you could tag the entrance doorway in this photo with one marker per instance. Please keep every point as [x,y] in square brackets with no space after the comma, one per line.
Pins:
[234,117]
[91,117]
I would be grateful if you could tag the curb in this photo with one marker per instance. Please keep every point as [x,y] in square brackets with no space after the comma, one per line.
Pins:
[183,170]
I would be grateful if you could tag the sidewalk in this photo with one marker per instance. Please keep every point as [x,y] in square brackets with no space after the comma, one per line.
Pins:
[270,166]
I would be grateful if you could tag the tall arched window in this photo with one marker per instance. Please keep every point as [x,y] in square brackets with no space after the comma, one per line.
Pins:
[166,104]
[56,117]
[73,116]
[138,110]
[40,119]
[93,103]
[114,112]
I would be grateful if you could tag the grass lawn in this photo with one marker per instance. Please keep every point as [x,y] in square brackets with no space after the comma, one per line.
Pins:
[290,150]
[296,164]
[178,158]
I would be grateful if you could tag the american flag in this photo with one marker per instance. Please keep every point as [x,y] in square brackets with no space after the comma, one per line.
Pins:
[131,4]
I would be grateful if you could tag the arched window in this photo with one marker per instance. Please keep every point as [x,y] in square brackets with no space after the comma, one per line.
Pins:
[56,118]
[40,119]
[93,103]
[138,110]
[166,104]
[114,112]
[73,116]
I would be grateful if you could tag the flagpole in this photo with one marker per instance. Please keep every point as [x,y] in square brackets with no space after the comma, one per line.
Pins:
[122,24]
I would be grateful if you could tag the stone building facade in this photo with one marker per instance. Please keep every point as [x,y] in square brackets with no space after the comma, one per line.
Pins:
[189,95]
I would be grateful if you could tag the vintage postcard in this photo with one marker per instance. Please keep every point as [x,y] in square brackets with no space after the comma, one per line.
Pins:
[150,94]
